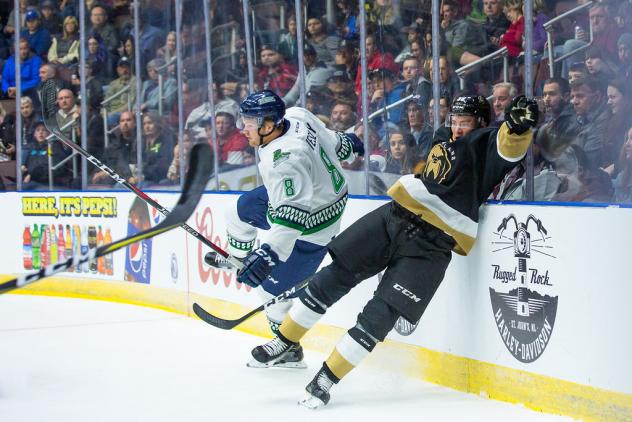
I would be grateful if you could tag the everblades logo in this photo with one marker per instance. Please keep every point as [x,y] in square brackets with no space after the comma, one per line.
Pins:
[523,302]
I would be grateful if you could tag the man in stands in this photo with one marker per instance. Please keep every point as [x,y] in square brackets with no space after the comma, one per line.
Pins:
[232,143]
[503,93]
[342,116]
[38,37]
[123,101]
[275,74]
[121,152]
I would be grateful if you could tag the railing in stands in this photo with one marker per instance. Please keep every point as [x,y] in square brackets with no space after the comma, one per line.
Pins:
[503,52]
[52,167]
[160,82]
[104,111]
[548,27]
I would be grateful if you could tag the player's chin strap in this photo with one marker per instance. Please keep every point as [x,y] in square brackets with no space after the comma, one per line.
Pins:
[264,135]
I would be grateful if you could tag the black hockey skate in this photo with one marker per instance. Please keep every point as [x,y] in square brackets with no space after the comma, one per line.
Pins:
[216,260]
[318,389]
[278,353]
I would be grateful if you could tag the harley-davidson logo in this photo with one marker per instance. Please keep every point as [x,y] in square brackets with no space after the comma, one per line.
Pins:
[524,314]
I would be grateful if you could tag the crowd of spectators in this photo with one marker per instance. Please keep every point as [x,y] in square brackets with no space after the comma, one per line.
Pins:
[583,146]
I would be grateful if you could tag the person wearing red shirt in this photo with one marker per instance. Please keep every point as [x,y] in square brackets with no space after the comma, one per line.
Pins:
[375,60]
[232,143]
[512,38]
[275,74]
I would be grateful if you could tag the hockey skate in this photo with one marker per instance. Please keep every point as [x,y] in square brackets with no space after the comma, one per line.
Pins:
[318,389]
[216,260]
[277,354]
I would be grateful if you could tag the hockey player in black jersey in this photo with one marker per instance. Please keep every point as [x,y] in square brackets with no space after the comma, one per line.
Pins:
[410,238]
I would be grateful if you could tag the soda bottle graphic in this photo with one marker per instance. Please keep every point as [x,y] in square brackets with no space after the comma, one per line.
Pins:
[44,249]
[101,259]
[53,244]
[83,235]
[61,244]
[138,255]
[76,243]
[36,244]
[109,264]
[27,248]
[92,243]
[69,250]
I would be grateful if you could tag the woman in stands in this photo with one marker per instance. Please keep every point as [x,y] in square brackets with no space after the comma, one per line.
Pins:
[64,49]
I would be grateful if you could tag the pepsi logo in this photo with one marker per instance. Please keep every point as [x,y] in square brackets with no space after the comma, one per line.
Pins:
[135,254]
[156,217]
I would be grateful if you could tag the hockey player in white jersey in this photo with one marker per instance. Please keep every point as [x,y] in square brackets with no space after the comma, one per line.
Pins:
[300,204]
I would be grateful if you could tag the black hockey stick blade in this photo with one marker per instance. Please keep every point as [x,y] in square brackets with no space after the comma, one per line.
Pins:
[195,182]
[229,324]
[48,97]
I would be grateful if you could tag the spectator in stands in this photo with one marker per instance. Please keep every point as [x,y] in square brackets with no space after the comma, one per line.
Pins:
[99,57]
[193,95]
[274,74]
[342,116]
[384,92]
[121,151]
[325,44]
[419,50]
[555,94]
[168,50]
[606,33]
[539,19]
[410,74]
[624,46]
[30,118]
[126,48]
[577,71]
[401,157]
[347,59]
[99,24]
[316,74]
[375,60]
[465,40]
[512,38]
[196,121]
[126,100]
[7,136]
[50,18]
[413,35]
[340,88]
[173,173]
[38,37]
[599,64]
[94,124]
[503,93]
[582,180]
[588,99]
[288,44]
[150,95]
[64,49]
[68,112]
[232,143]
[620,102]
[68,8]
[9,29]
[319,102]
[496,23]
[29,71]
[444,106]
[377,153]
[420,130]
[158,143]
[449,85]
[35,167]
[348,15]
[93,85]
[623,181]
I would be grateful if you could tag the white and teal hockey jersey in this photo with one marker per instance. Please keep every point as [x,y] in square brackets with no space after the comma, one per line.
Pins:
[306,186]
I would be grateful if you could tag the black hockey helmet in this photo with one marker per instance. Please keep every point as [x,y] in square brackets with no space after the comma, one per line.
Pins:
[472,105]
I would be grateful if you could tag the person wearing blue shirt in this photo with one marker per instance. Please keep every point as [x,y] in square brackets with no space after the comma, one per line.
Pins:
[38,37]
[29,71]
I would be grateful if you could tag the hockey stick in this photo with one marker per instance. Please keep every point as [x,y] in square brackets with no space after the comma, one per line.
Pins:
[194,184]
[229,324]
[48,96]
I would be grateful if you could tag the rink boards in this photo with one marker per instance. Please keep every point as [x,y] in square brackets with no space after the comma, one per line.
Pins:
[537,314]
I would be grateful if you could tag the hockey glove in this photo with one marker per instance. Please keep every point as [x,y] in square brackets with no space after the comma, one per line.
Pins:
[257,266]
[357,146]
[521,115]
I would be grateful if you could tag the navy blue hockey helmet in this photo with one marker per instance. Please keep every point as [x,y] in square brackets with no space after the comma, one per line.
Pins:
[263,105]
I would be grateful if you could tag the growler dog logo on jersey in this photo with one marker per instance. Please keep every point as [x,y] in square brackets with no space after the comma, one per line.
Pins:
[523,296]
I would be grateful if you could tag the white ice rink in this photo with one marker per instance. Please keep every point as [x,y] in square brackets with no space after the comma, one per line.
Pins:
[82,360]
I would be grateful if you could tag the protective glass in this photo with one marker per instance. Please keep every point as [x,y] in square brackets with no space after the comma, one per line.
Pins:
[249,123]
[460,121]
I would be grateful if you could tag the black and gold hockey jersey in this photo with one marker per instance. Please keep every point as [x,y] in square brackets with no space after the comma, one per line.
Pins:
[458,177]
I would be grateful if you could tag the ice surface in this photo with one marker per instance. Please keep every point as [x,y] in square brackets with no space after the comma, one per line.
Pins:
[70,360]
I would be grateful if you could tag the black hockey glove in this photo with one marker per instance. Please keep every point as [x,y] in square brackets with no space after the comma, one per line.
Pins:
[521,115]
[258,266]
[357,146]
